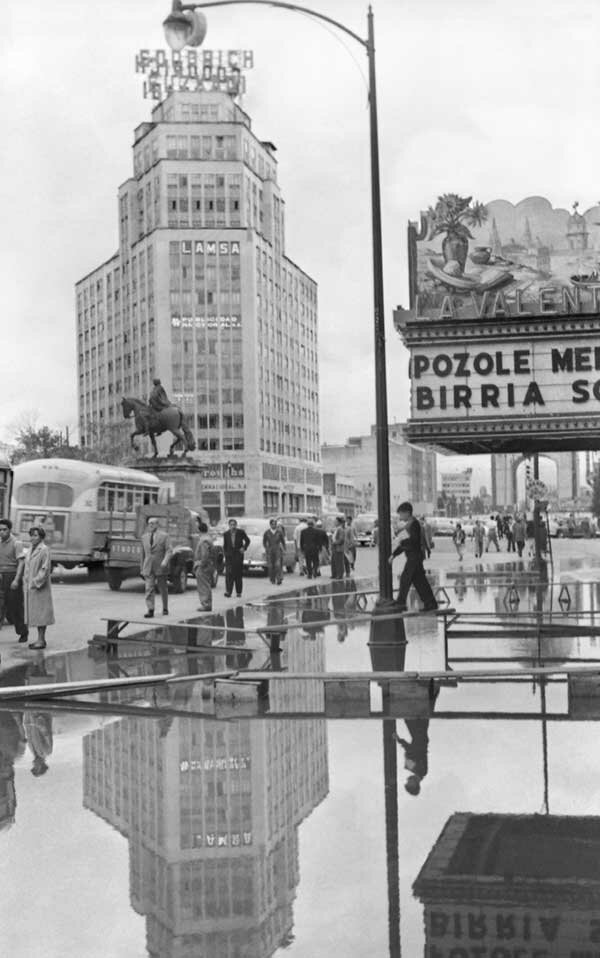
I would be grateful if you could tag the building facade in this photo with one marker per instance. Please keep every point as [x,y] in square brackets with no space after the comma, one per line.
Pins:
[457,485]
[509,492]
[412,469]
[202,295]
[341,495]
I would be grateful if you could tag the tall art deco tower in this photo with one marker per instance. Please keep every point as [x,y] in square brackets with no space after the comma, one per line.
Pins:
[201,294]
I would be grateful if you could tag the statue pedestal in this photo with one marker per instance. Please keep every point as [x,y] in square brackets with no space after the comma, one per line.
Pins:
[183,478]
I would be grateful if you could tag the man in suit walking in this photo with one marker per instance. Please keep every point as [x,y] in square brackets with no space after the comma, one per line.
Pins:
[235,543]
[157,552]
[411,543]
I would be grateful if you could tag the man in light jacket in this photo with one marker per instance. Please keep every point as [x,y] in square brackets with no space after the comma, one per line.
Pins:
[157,552]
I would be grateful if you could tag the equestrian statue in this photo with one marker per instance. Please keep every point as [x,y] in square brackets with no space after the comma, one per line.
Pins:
[156,416]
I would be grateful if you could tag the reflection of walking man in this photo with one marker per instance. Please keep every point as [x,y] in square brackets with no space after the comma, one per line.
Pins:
[415,753]
[235,543]
[11,580]
[157,552]
[410,542]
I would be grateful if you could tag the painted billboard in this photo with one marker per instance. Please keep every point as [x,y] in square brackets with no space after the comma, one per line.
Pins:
[470,260]
[504,326]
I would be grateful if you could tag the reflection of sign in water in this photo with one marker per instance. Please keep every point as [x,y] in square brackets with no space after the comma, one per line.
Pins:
[229,763]
[193,71]
[223,839]
[513,886]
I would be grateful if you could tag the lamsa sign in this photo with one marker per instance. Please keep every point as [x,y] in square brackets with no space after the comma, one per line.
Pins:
[504,326]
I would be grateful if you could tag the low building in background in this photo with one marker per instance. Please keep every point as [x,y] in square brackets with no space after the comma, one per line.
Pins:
[340,494]
[456,491]
[412,469]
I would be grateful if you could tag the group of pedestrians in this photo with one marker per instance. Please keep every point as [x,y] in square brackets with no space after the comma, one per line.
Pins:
[516,530]
[157,552]
[25,587]
[316,548]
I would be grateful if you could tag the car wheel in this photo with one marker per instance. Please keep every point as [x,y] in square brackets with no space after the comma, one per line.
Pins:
[179,580]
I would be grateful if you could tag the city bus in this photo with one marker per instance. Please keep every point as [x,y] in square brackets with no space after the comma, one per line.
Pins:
[78,504]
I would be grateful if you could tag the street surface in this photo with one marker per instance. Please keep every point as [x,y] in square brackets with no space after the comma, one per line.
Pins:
[81,605]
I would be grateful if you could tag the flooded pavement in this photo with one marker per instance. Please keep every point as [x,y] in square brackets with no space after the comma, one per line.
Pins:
[447,816]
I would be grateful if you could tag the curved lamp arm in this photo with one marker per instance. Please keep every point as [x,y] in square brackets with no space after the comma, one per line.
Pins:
[178,6]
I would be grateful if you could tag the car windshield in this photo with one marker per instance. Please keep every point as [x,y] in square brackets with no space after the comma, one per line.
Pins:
[254,527]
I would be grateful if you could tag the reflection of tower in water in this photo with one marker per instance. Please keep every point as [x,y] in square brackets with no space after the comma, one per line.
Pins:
[211,811]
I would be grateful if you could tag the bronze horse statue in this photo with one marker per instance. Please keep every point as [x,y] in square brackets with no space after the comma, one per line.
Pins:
[150,422]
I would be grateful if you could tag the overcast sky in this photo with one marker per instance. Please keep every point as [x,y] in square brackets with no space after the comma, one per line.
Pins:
[494,100]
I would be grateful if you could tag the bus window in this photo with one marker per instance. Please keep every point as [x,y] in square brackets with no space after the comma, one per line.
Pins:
[59,494]
[31,494]
[129,494]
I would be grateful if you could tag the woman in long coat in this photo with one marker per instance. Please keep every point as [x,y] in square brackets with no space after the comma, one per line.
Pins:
[37,592]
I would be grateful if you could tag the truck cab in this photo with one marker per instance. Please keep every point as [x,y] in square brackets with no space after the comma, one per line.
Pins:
[124,551]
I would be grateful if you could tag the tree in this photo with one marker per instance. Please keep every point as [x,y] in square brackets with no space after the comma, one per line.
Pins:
[42,443]
[109,444]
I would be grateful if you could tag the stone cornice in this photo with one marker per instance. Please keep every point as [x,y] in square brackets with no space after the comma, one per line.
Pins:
[501,434]
[419,332]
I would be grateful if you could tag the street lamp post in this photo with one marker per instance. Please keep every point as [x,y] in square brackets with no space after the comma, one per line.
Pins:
[185,25]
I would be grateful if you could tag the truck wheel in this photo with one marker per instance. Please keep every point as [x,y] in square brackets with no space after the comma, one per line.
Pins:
[115,578]
[179,580]
[96,572]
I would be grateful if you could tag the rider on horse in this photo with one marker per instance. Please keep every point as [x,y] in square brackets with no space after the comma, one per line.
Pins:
[158,398]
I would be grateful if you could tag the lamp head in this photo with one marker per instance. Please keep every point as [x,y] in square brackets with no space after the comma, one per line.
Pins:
[184,28]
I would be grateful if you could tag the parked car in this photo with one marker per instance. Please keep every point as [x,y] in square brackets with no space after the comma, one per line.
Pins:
[255,559]
[363,526]
[442,525]
[553,526]
[577,526]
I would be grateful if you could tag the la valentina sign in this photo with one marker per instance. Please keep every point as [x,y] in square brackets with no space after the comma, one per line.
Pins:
[503,327]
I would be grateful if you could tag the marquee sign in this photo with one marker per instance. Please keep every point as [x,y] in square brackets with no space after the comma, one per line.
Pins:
[504,327]
[193,71]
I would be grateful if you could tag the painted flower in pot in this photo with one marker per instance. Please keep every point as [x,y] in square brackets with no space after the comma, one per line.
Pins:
[452,215]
